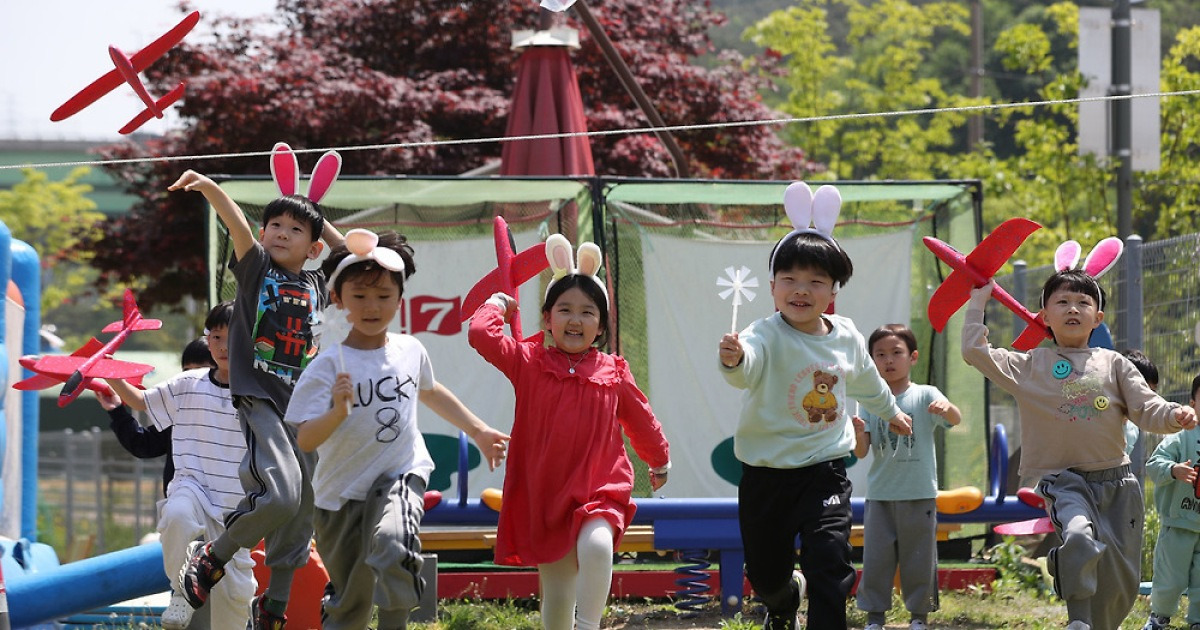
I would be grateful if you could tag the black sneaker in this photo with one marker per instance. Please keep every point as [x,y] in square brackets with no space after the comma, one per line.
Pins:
[263,619]
[200,573]
[1157,622]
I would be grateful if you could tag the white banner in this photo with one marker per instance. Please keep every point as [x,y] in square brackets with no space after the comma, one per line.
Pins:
[686,319]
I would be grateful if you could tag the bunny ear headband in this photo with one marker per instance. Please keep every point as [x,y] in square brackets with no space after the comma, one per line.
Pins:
[810,213]
[363,245]
[1103,257]
[285,170]
[558,252]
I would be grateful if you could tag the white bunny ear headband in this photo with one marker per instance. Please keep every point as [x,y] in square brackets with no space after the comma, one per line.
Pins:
[563,263]
[810,213]
[285,170]
[1103,257]
[363,245]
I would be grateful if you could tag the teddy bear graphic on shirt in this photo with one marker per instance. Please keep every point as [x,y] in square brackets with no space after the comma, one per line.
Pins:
[820,404]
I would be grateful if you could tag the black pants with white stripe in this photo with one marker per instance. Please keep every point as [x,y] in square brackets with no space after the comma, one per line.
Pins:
[774,506]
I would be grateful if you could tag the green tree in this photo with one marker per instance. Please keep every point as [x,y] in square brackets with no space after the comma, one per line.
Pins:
[58,220]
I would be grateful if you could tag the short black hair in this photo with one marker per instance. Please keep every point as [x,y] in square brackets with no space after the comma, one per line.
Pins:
[219,316]
[900,331]
[196,353]
[591,289]
[370,270]
[1076,280]
[1195,386]
[300,208]
[808,250]
[1144,365]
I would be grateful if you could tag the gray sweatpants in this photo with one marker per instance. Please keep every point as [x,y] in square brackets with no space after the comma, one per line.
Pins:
[1176,571]
[278,506]
[371,551]
[900,533]
[1099,516]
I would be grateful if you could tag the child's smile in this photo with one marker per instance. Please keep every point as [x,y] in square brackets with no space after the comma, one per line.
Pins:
[573,321]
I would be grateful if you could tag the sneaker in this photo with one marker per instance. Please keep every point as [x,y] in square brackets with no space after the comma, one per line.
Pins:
[801,583]
[1078,625]
[263,619]
[200,573]
[917,624]
[178,613]
[1195,626]
[1157,622]
[873,626]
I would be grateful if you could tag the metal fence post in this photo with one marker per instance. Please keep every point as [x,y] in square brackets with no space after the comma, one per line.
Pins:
[1133,328]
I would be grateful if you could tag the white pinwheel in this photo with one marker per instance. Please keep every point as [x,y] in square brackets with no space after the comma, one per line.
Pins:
[739,284]
[333,328]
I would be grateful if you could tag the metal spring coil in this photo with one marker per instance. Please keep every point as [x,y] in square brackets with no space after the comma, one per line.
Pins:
[693,587]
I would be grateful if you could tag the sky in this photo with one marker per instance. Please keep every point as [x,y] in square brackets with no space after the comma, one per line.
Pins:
[53,48]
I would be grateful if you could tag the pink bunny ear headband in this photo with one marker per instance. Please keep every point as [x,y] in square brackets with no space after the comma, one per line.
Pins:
[810,213]
[363,246]
[1103,257]
[285,170]
[562,263]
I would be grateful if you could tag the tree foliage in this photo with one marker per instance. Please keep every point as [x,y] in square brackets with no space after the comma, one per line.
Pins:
[343,73]
[58,220]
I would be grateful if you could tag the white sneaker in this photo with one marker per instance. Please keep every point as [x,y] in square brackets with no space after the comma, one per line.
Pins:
[178,613]
[917,624]
[873,626]
[1078,625]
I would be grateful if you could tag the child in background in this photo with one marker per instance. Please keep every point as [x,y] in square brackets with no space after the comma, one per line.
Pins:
[797,367]
[271,342]
[568,488]
[356,405]
[1177,552]
[1149,371]
[900,523]
[149,442]
[195,408]
[1073,401]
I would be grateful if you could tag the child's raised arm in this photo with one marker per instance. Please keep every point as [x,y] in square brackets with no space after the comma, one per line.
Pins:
[230,213]
[129,394]
[443,402]
[331,235]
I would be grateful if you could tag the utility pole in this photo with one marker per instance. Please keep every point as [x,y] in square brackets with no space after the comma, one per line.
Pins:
[1122,115]
[975,123]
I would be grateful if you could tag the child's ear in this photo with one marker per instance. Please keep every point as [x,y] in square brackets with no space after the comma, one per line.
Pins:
[334,298]
[1099,319]
[315,250]
[913,358]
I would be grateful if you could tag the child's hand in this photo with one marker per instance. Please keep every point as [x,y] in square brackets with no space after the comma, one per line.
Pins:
[505,302]
[900,424]
[939,407]
[494,446]
[860,425]
[191,180]
[731,350]
[1184,471]
[108,401]
[343,393]
[658,477]
[980,296]
[1186,417]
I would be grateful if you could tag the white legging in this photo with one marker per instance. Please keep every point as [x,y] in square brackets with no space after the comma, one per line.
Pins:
[581,579]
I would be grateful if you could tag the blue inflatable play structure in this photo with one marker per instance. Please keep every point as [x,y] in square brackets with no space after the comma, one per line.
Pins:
[39,589]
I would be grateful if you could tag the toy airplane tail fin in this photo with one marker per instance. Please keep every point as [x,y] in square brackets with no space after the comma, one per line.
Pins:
[162,104]
[131,318]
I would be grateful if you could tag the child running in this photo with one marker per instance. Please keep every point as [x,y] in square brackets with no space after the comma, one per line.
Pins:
[207,445]
[1177,551]
[1073,401]
[356,405]
[900,523]
[568,488]
[271,342]
[798,367]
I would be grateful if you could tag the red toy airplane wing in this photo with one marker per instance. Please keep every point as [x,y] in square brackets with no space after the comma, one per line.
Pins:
[990,255]
[65,366]
[1025,528]
[36,382]
[948,298]
[524,266]
[140,61]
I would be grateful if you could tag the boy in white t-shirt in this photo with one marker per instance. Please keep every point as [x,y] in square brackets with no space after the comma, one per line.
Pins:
[356,405]
[207,447]
[900,523]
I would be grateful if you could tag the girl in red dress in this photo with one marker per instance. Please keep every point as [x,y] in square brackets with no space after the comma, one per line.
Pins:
[568,488]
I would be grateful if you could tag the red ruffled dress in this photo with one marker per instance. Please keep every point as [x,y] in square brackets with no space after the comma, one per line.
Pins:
[566,461]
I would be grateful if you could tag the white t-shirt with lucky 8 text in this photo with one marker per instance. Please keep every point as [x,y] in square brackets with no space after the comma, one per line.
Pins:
[380,436]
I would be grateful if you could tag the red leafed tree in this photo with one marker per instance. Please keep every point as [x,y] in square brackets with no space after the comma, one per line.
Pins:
[341,73]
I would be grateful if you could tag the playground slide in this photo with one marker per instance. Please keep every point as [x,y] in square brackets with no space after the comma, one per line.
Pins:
[76,587]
